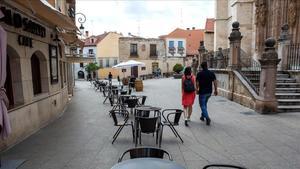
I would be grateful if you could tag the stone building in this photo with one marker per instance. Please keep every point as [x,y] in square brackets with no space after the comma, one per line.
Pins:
[228,11]
[150,51]
[108,53]
[39,75]
[209,34]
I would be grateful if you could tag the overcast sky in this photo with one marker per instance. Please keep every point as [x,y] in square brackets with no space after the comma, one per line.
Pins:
[150,18]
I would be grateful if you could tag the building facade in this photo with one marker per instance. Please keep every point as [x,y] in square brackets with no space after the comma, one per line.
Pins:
[37,69]
[150,51]
[108,54]
[209,34]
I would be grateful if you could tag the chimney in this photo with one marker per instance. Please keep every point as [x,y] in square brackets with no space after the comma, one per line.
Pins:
[129,34]
[187,28]
[87,33]
[193,28]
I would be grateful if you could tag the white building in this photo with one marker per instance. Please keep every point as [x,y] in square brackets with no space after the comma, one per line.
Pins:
[89,50]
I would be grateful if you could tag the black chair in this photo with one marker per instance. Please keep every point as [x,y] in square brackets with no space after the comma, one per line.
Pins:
[132,103]
[171,118]
[144,152]
[223,166]
[143,100]
[121,125]
[148,125]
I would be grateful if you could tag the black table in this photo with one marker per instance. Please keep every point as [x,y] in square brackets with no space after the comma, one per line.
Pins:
[147,163]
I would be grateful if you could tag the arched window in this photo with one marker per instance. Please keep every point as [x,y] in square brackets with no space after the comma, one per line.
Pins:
[36,75]
[13,84]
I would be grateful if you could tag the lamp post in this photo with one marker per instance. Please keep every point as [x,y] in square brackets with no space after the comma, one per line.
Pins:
[81,19]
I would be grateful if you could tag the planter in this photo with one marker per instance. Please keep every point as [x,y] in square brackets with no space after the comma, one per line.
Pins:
[177,75]
[138,85]
[125,81]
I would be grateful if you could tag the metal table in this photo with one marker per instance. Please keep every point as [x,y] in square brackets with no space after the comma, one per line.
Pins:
[147,163]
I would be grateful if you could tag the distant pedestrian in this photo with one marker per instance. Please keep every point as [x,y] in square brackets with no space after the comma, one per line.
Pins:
[110,76]
[205,79]
[188,86]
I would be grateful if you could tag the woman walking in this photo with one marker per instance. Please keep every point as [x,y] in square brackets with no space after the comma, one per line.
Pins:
[188,89]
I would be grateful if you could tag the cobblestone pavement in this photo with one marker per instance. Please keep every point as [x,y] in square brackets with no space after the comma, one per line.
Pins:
[81,137]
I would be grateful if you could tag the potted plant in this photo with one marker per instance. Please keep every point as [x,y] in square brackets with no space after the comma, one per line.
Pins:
[177,71]
[91,69]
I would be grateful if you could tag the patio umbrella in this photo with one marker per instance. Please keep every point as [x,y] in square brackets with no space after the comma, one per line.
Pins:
[5,128]
[128,64]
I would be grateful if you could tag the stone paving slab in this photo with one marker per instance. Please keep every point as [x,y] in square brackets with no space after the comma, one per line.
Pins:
[81,138]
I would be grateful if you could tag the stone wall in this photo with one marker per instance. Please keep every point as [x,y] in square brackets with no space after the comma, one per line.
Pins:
[209,41]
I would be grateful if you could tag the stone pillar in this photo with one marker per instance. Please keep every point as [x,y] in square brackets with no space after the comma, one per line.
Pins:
[235,46]
[283,44]
[267,86]
[220,59]
[201,51]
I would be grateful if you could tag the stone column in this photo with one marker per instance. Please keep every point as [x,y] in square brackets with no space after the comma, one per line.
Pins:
[201,51]
[283,44]
[220,59]
[267,86]
[235,46]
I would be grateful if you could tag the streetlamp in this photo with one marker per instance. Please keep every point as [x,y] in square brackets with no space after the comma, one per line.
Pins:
[81,19]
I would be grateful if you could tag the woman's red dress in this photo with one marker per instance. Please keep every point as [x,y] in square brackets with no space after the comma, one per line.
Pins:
[188,98]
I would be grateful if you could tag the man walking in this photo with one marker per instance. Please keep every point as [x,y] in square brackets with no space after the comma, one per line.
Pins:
[205,79]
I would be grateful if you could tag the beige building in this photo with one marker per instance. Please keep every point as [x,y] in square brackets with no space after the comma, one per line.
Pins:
[38,74]
[228,11]
[209,34]
[150,51]
[108,53]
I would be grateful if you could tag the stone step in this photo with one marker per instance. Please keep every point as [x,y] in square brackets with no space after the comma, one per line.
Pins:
[278,75]
[287,95]
[283,102]
[288,108]
[288,90]
[287,85]
[279,80]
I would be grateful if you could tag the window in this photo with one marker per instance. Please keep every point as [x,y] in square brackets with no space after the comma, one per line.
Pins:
[143,68]
[115,61]
[171,43]
[133,50]
[153,50]
[53,64]
[101,63]
[36,76]
[107,63]
[180,44]
[91,51]
[92,40]
[81,64]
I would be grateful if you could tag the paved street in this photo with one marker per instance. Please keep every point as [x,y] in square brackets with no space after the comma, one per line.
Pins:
[81,137]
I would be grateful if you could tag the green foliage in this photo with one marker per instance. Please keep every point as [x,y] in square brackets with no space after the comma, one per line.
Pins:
[92,67]
[178,68]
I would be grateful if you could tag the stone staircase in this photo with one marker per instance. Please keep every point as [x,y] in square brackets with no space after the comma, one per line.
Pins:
[287,91]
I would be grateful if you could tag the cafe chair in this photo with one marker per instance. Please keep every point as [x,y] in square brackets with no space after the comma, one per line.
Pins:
[144,152]
[121,125]
[148,125]
[132,103]
[222,166]
[171,118]
[143,100]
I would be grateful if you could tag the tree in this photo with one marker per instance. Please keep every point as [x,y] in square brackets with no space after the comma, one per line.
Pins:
[177,68]
[92,68]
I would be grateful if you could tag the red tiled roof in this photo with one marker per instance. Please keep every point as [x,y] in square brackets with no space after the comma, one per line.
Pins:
[209,25]
[192,36]
[97,39]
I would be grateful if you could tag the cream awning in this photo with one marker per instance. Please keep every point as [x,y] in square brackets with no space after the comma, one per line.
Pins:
[43,10]
[71,38]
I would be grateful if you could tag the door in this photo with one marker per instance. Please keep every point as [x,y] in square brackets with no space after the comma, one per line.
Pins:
[134,71]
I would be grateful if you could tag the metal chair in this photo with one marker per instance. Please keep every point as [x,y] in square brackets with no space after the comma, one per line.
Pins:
[144,152]
[125,115]
[148,125]
[132,103]
[223,166]
[171,118]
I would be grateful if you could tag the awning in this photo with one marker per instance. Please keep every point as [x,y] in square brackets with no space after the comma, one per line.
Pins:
[43,10]
[71,38]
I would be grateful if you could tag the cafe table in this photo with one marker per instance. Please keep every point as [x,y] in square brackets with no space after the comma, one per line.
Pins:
[147,163]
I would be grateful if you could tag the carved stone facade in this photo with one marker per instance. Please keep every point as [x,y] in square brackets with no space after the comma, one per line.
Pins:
[276,14]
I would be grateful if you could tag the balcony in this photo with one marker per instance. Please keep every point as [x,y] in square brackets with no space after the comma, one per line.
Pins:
[154,55]
[134,55]
[172,50]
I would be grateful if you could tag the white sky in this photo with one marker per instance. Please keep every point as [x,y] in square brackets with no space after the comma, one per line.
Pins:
[150,18]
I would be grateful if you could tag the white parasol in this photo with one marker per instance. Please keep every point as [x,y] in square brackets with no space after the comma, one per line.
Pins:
[128,64]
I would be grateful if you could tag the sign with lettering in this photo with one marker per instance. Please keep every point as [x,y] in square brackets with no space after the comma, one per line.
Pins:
[25,41]
[16,20]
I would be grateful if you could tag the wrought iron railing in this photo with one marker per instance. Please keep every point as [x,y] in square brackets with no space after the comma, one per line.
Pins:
[251,73]
[293,57]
